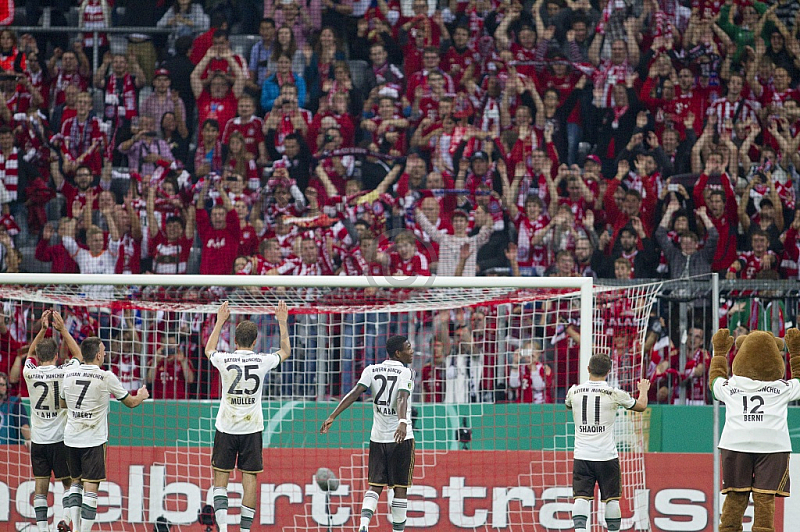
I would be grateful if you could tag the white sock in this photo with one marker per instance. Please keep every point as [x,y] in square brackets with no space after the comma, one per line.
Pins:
[76,496]
[40,507]
[399,511]
[88,511]
[64,508]
[368,508]
[613,516]
[247,514]
[221,508]
[580,514]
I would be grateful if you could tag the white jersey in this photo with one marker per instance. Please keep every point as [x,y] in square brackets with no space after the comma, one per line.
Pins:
[755,414]
[242,375]
[87,390]
[385,380]
[44,386]
[594,407]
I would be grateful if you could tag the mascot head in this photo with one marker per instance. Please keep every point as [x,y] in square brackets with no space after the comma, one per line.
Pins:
[759,357]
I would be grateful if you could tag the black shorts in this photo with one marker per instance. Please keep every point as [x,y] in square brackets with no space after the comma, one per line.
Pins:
[758,472]
[49,457]
[87,463]
[247,447]
[586,473]
[391,464]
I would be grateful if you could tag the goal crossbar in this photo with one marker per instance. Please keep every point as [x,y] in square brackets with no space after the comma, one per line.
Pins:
[583,284]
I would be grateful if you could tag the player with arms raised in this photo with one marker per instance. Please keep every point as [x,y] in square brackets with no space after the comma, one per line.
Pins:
[240,420]
[48,453]
[391,442]
[594,407]
[86,393]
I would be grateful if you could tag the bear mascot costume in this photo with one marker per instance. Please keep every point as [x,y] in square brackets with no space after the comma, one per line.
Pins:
[755,444]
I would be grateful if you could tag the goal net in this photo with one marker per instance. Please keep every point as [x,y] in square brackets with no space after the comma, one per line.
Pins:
[493,360]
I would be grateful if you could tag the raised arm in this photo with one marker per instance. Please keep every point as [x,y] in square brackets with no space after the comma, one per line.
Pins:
[191,222]
[427,226]
[776,200]
[239,76]
[744,219]
[282,315]
[152,223]
[132,401]
[113,229]
[72,345]
[510,188]
[195,79]
[136,223]
[223,313]
[330,188]
[102,70]
[390,178]
[641,402]
[39,336]
[136,71]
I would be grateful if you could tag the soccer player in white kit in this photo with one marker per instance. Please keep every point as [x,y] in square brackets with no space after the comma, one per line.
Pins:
[86,393]
[45,380]
[391,442]
[240,420]
[594,407]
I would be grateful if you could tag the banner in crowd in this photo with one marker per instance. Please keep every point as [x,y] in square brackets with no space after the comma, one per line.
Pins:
[452,491]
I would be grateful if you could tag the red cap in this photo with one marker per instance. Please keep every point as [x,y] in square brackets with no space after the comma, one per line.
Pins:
[161,72]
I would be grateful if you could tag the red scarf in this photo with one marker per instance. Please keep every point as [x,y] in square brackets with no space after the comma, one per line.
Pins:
[281,80]
[618,112]
[216,158]
[125,90]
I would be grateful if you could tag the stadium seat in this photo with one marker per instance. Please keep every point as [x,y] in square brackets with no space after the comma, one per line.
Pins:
[242,44]
[358,72]
[72,16]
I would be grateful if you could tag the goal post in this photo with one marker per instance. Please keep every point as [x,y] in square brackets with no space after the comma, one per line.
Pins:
[480,417]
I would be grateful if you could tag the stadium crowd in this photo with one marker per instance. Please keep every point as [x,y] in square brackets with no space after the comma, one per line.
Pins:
[627,139]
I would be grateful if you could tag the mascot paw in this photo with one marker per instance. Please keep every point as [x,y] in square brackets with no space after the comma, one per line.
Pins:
[723,341]
[792,340]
